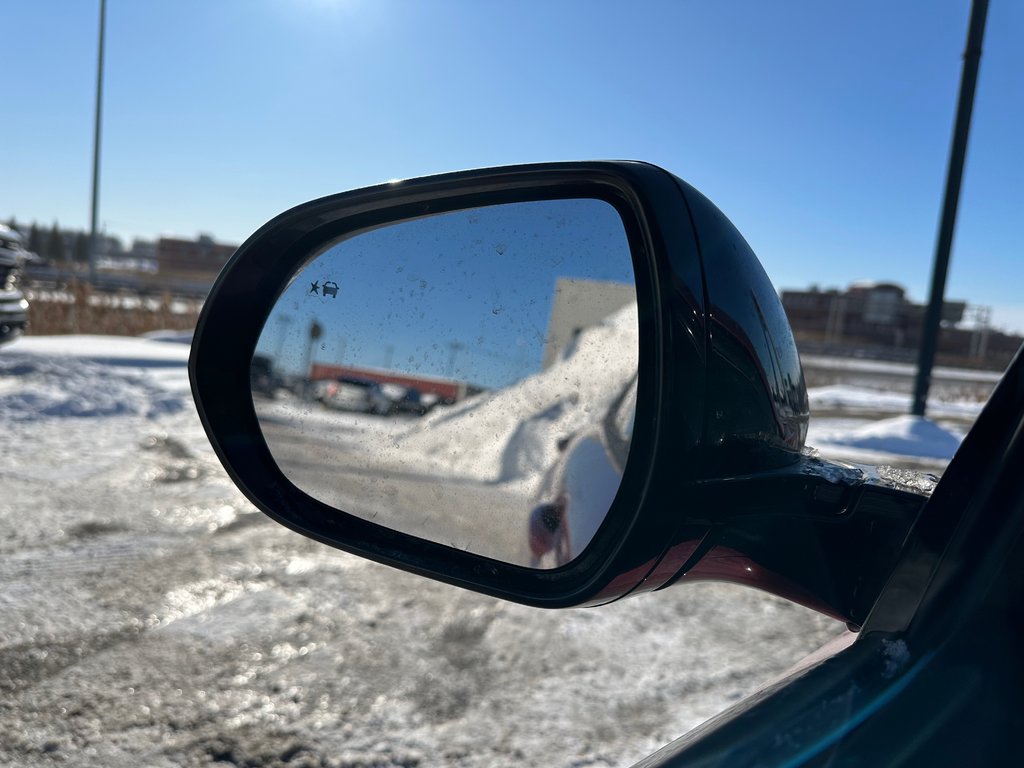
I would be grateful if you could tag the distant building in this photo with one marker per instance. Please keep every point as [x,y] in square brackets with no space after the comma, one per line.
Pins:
[139,258]
[579,304]
[199,257]
[109,245]
[143,250]
[878,320]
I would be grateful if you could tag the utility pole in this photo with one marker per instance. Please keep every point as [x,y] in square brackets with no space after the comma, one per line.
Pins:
[96,145]
[455,346]
[315,332]
[933,315]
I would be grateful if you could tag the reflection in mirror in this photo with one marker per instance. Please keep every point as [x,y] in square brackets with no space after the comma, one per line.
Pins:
[467,377]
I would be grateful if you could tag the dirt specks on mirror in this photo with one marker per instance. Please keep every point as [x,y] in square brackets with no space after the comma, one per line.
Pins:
[467,347]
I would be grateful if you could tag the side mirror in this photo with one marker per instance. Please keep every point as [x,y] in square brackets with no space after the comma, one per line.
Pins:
[556,384]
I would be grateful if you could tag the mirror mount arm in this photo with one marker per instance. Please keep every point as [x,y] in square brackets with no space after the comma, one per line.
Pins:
[822,534]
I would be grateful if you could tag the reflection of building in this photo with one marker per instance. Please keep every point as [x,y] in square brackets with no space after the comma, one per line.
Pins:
[878,320]
[579,304]
[447,390]
[202,256]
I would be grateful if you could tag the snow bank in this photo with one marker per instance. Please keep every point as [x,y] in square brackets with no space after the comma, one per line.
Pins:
[907,370]
[512,434]
[852,399]
[172,337]
[903,436]
[52,377]
[114,350]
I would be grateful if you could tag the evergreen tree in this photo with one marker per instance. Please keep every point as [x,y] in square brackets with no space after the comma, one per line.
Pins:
[55,245]
[81,252]
[35,239]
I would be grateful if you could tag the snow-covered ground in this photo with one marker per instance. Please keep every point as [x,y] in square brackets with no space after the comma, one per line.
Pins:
[870,425]
[845,365]
[153,617]
[896,440]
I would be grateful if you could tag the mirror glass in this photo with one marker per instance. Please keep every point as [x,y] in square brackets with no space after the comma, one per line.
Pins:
[466,377]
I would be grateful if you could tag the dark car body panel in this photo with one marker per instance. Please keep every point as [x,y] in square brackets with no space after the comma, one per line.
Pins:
[758,408]
[936,676]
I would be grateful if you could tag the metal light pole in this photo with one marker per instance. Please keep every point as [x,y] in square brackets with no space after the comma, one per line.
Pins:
[933,316]
[96,146]
[315,332]
[455,347]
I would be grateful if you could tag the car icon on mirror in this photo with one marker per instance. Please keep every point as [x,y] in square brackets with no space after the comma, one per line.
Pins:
[330,289]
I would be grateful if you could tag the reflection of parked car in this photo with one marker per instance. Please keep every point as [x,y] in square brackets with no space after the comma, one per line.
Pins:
[352,394]
[262,379]
[13,305]
[412,401]
[577,491]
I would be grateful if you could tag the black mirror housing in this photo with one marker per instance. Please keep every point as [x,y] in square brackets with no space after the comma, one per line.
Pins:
[721,407]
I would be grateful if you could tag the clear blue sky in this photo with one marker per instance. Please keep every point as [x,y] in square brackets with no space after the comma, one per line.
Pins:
[405,293]
[821,129]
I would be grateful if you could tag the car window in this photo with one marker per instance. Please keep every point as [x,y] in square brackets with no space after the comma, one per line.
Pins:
[153,616]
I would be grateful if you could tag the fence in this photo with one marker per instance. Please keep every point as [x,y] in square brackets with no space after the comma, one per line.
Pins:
[78,309]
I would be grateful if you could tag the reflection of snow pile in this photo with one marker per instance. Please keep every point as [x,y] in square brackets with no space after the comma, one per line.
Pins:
[109,377]
[903,436]
[512,434]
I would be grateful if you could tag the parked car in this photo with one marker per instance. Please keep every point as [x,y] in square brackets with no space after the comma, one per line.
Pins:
[716,484]
[411,401]
[263,380]
[354,394]
[13,304]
